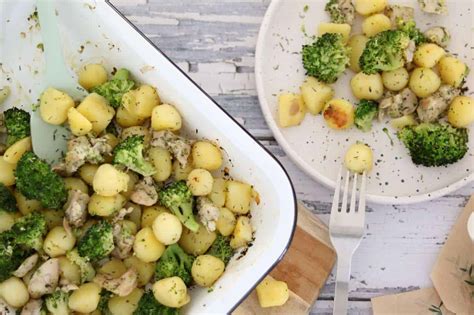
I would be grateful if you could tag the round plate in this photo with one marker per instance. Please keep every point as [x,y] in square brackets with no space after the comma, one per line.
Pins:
[318,150]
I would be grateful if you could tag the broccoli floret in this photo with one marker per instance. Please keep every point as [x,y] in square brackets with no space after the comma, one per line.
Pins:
[17,123]
[178,198]
[434,144]
[103,306]
[412,31]
[114,89]
[326,58]
[365,112]
[174,262]
[57,303]
[29,230]
[86,268]
[11,255]
[98,242]
[36,180]
[7,200]
[221,249]
[384,52]
[340,11]
[129,152]
[148,305]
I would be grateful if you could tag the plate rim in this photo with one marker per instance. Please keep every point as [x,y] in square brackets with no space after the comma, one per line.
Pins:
[296,158]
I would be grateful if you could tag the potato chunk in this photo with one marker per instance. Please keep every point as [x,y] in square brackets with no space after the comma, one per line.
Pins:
[92,75]
[424,82]
[461,111]
[357,45]
[367,7]
[54,105]
[271,292]
[367,86]
[339,114]
[315,94]
[78,123]
[359,158]
[452,70]
[291,109]
[343,29]
[95,108]
[375,24]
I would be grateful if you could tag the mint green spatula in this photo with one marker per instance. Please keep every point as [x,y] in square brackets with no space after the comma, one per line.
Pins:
[50,141]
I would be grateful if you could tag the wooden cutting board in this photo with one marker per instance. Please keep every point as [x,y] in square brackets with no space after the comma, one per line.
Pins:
[305,268]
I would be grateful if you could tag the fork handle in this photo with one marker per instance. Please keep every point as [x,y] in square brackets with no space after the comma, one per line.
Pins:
[342,285]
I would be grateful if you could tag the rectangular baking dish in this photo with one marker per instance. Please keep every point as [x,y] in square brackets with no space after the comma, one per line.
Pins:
[95,31]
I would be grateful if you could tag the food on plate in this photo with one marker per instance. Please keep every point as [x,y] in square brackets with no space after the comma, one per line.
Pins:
[438,35]
[271,292]
[315,94]
[326,58]
[434,144]
[133,215]
[374,24]
[367,86]
[367,7]
[291,109]
[398,13]
[433,6]
[401,122]
[461,111]
[335,28]
[424,82]
[359,158]
[365,113]
[356,44]
[341,11]
[339,114]
[4,93]
[452,71]
[428,55]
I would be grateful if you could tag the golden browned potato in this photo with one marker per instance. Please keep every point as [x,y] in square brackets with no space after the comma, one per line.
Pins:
[166,117]
[206,155]
[238,197]
[271,292]
[291,109]
[167,228]
[54,105]
[146,247]
[226,222]
[200,182]
[395,80]
[109,181]
[142,101]
[367,86]
[356,44]
[343,29]
[339,114]
[375,24]
[359,158]
[96,110]
[86,298]
[92,75]
[243,233]
[126,119]
[315,94]
[452,70]
[78,123]
[218,193]
[428,55]
[367,7]
[424,82]
[401,122]
[461,111]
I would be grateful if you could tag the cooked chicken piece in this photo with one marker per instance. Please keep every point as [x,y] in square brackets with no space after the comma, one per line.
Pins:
[178,146]
[208,213]
[75,209]
[122,213]
[342,11]
[145,192]
[33,307]
[433,6]
[67,287]
[409,51]
[398,13]
[433,106]
[399,105]
[83,150]
[26,266]
[121,286]
[45,279]
[123,240]
[6,309]
[438,35]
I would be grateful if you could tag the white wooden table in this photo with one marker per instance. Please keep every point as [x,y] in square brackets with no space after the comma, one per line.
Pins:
[214,42]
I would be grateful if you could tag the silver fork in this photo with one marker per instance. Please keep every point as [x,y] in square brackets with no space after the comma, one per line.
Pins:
[346,228]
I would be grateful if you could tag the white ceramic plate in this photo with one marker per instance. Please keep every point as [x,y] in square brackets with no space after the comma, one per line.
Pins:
[318,150]
[93,31]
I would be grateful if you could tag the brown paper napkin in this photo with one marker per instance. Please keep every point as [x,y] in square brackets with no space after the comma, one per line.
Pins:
[451,269]
[424,301]
[451,293]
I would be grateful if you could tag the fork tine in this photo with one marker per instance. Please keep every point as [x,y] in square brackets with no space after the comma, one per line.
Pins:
[346,192]
[335,199]
[353,195]
[362,194]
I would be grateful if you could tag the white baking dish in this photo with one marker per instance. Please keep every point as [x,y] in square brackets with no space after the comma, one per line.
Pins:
[94,31]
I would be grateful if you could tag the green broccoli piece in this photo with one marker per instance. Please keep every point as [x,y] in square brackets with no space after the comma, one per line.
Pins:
[326,58]
[57,303]
[7,200]
[178,198]
[85,267]
[434,144]
[114,89]
[384,52]
[365,112]
[103,306]
[174,262]
[129,153]
[17,123]
[339,11]
[29,230]
[412,31]
[12,255]
[98,242]
[36,180]
[148,305]
[221,249]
